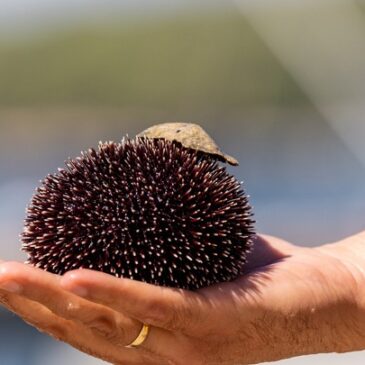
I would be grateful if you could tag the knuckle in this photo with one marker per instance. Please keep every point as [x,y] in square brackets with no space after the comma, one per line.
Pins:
[103,323]
[57,331]
[171,318]
[179,318]
[156,310]
[6,301]
[71,309]
[4,298]
[115,337]
[169,314]
[109,327]
[172,321]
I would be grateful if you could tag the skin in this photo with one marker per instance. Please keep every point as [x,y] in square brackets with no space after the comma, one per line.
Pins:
[291,301]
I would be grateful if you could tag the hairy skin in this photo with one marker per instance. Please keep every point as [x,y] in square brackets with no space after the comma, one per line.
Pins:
[291,301]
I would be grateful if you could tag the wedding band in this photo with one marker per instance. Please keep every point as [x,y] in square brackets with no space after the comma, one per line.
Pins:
[141,337]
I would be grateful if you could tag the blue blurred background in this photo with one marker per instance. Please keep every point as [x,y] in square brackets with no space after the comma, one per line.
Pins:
[279,84]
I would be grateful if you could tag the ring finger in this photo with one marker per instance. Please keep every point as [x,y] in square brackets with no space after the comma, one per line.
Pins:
[43,288]
[86,340]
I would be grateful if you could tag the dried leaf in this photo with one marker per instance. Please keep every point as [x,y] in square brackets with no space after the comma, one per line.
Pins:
[190,136]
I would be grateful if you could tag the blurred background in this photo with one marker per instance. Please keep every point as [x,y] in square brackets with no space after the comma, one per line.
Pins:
[279,84]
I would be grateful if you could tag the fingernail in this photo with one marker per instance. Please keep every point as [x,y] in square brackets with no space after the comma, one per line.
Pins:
[79,290]
[11,287]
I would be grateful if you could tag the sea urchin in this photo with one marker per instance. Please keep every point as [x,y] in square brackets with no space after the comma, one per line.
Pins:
[146,209]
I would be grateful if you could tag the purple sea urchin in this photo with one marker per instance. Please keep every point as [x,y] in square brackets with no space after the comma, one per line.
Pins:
[145,209]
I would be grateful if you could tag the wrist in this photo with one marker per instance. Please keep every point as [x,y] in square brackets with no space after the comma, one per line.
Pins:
[350,255]
[349,284]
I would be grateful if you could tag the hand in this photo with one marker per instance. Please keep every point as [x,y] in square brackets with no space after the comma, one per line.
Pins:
[292,301]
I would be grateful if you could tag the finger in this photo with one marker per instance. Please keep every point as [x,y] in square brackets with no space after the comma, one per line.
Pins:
[44,288]
[172,309]
[86,340]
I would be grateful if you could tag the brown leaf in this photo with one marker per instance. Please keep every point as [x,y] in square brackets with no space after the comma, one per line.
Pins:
[190,136]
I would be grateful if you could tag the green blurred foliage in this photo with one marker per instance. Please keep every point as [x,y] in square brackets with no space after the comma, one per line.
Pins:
[198,61]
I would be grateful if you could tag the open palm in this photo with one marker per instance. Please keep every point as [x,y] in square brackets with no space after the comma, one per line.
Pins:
[289,302]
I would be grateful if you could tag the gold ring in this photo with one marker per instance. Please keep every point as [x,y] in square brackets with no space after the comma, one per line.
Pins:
[141,337]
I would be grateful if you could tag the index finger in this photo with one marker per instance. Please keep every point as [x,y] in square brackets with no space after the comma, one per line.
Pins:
[172,309]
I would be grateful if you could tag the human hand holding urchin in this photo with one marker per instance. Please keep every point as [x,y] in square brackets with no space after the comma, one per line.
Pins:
[290,301]
[158,208]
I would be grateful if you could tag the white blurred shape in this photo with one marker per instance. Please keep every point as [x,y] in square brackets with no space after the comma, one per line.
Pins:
[322,45]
